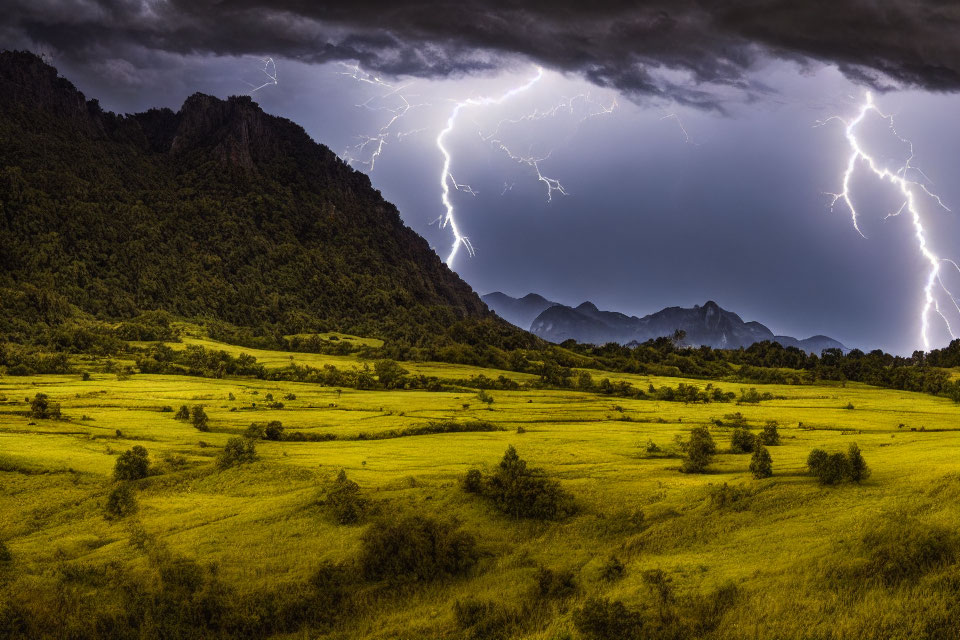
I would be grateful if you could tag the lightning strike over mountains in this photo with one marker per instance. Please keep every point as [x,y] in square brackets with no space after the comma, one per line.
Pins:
[911,183]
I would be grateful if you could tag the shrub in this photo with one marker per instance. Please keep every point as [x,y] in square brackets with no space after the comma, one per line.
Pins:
[903,549]
[121,502]
[85,376]
[237,451]
[485,619]
[41,407]
[834,468]
[274,430]
[552,584]
[742,441]
[700,450]
[769,437]
[133,464]
[183,413]
[255,431]
[613,570]
[725,496]
[485,397]
[858,468]
[603,619]
[473,481]
[761,465]
[166,409]
[416,549]
[5,556]
[525,493]
[199,418]
[344,500]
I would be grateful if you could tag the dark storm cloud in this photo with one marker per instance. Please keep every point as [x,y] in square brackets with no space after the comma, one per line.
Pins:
[687,50]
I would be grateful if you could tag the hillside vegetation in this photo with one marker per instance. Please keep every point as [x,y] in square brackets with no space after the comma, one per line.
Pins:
[278,508]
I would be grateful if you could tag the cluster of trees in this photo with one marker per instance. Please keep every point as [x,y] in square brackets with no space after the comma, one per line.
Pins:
[834,468]
[520,491]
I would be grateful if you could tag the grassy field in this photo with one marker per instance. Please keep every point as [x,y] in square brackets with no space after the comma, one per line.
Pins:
[794,552]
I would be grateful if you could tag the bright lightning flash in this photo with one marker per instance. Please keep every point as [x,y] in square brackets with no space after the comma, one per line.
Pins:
[906,179]
[269,71]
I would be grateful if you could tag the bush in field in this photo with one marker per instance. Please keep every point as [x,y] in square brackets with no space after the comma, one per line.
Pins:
[273,430]
[473,481]
[183,413]
[742,441]
[603,619]
[858,468]
[522,492]
[5,556]
[613,570]
[834,468]
[761,465]
[121,502]
[41,407]
[700,449]
[237,451]
[552,584]
[486,619]
[769,437]
[133,464]
[344,500]
[199,418]
[416,549]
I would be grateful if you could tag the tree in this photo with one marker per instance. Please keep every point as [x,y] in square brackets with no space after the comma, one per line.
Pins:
[201,422]
[41,407]
[769,437]
[237,451]
[133,464]
[183,413]
[389,373]
[829,468]
[274,430]
[761,464]
[742,441]
[416,549]
[857,466]
[344,500]
[520,491]
[121,501]
[700,450]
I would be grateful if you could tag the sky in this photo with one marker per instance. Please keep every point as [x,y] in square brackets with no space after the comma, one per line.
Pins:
[691,142]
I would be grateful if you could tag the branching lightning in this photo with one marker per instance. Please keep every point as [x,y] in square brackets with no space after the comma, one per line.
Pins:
[912,183]
[269,71]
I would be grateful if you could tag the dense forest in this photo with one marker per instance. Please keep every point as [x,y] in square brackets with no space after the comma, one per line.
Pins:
[217,212]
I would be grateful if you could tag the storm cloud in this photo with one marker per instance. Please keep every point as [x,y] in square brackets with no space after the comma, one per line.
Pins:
[689,51]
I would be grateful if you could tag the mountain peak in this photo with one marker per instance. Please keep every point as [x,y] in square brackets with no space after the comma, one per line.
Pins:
[587,307]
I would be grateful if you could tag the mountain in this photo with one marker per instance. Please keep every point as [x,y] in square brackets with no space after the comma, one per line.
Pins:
[704,325]
[217,212]
[517,311]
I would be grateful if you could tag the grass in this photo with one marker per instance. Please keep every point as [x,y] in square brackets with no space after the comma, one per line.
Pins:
[262,526]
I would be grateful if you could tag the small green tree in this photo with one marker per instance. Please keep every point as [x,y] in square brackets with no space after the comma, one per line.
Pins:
[761,465]
[183,413]
[121,501]
[274,430]
[769,437]
[133,464]
[700,450]
[41,407]
[237,451]
[742,441]
[201,422]
[857,466]
[344,500]
[829,468]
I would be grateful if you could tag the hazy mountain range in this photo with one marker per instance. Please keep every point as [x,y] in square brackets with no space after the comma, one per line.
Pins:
[704,325]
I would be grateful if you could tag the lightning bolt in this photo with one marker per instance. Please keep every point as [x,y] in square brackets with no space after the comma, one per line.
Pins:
[446,178]
[269,71]
[910,188]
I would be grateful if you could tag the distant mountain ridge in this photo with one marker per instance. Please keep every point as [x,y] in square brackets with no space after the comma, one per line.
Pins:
[708,325]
